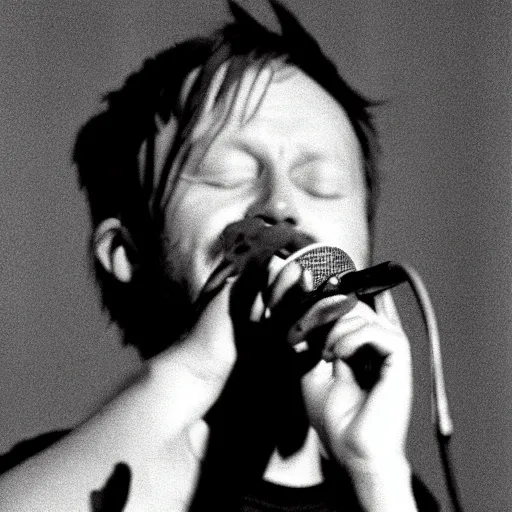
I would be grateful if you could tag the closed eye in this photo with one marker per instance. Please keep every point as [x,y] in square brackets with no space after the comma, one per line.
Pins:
[228,168]
[321,177]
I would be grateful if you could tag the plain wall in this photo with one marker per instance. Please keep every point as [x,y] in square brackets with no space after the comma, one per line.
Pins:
[443,69]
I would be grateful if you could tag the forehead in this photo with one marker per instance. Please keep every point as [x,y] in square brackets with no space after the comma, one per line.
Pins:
[279,100]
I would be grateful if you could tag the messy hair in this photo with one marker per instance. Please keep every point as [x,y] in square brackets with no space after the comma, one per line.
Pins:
[151,310]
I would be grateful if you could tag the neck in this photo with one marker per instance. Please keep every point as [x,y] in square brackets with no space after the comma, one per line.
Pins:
[302,469]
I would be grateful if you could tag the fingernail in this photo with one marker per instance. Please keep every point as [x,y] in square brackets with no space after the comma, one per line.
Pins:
[302,346]
[307,280]
[334,281]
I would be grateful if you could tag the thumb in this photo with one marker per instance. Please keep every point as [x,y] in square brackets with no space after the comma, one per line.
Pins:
[209,346]
[190,375]
[385,307]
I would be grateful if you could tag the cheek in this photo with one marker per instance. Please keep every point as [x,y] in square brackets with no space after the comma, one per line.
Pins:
[195,221]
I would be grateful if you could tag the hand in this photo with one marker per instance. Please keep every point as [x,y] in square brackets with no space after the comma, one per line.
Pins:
[364,430]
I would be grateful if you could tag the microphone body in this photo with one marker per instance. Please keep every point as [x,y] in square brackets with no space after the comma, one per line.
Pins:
[334,271]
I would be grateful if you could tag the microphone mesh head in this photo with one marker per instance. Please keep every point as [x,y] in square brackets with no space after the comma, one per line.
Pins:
[324,262]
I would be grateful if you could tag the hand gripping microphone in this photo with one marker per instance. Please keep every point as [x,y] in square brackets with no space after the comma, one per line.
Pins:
[253,240]
[334,273]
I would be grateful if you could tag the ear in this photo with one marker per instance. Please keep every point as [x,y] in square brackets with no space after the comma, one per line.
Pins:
[110,248]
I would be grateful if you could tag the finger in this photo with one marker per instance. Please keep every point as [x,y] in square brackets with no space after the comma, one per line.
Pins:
[331,387]
[366,343]
[346,393]
[198,434]
[290,276]
[322,313]
[255,272]
[365,358]
[363,315]
[380,362]
[347,337]
[308,336]
[213,286]
[287,298]
[248,286]
[385,306]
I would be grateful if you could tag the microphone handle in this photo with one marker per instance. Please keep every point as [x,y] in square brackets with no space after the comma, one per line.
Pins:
[366,362]
[371,281]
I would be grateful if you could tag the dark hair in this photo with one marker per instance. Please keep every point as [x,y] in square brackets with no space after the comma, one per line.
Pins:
[152,310]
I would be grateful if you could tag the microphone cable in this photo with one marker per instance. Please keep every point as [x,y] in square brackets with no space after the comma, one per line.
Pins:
[440,411]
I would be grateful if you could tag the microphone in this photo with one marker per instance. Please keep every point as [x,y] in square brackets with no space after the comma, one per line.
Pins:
[335,273]
[332,268]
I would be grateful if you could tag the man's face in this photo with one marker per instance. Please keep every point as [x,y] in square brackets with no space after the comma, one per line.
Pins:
[294,156]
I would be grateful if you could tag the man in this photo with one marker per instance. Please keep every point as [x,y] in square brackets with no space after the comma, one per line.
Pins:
[246,129]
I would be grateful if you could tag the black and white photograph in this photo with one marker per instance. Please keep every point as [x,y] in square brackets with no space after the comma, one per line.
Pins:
[255,256]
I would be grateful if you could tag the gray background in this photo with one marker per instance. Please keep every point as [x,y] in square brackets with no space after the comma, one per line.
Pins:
[444,69]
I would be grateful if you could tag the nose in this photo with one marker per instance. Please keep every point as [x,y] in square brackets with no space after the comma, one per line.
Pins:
[275,203]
